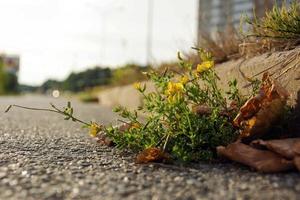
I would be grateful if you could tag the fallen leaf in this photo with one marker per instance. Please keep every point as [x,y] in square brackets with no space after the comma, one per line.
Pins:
[297,162]
[285,147]
[260,160]
[152,154]
[103,139]
[124,127]
[261,112]
[296,148]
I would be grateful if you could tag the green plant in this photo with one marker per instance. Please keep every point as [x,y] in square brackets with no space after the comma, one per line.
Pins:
[172,123]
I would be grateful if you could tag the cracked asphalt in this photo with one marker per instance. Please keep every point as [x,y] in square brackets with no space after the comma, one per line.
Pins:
[44,157]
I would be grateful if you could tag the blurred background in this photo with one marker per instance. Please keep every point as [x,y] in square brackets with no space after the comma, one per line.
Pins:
[85,46]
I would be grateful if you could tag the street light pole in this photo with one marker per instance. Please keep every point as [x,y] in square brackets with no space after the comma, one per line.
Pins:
[149,31]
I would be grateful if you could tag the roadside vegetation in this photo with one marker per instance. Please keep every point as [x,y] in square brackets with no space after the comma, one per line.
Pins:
[185,120]
[8,81]
[189,118]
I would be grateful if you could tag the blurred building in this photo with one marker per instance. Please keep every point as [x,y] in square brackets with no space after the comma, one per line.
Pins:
[11,63]
[215,15]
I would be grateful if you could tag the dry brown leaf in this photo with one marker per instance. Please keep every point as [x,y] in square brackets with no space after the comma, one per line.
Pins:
[103,139]
[285,147]
[259,113]
[296,148]
[124,127]
[297,162]
[261,160]
[152,154]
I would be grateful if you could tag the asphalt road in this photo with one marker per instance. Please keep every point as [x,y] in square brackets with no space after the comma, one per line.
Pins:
[44,157]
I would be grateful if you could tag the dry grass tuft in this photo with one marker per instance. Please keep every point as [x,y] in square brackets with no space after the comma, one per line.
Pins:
[224,46]
[278,30]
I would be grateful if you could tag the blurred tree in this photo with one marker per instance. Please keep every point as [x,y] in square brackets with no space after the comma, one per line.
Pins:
[2,78]
[8,81]
[87,79]
[76,82]
[50,85]
[11,83]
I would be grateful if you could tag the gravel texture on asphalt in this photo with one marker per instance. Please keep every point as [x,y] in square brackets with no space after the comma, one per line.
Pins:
[44,157]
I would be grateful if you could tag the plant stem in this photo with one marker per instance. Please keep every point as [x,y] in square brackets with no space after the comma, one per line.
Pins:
[56,110]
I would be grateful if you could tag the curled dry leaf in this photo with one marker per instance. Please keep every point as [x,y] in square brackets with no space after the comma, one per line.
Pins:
[103,139]
[261,160]
[152,154]
[287,148]
[259,113]
[124,127]
[296,148]
[297,162]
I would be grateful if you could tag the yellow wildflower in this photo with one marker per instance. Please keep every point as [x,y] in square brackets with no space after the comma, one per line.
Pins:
[184,79]
[204,66]
[137,85]
[94,129]
[174,88]
[174,91]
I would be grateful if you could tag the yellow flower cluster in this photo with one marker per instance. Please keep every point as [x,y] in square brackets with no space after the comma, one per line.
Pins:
[95,129]
[174,91]
[204,66]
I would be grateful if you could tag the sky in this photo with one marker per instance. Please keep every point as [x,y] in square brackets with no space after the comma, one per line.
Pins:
[57,37]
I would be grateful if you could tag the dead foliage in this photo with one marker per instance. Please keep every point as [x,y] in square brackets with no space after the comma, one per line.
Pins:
[288,148]
[279,29]
[152,154]
[224,46]
[260,160]
[255,119]
[262,111]
[251,47]
[103,139]
[297,162]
